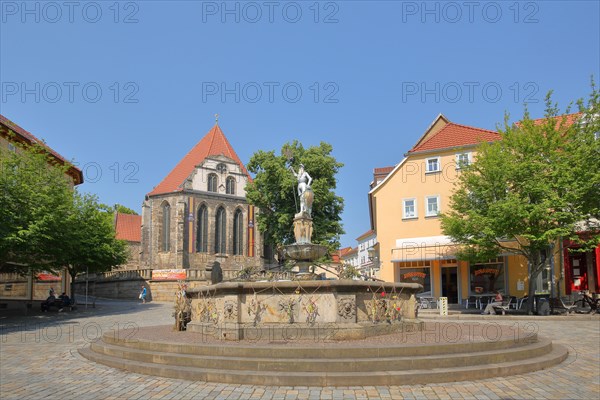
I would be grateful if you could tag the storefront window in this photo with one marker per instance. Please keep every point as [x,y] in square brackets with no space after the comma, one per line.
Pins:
[486,278]
[421,276]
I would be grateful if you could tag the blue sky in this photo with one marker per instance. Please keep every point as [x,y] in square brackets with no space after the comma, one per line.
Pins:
[127,88]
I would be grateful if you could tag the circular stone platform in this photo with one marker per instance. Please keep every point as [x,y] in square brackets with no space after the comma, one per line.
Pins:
[440,352]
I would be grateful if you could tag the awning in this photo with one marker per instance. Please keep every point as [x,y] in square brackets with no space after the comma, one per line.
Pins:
[424,249]
[423,253]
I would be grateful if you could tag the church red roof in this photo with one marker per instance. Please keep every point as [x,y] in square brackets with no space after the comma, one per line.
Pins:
[456,135]
[213,144]
[128,227]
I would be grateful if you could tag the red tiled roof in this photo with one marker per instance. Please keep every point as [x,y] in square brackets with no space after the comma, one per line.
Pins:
[350,252]
[569,119]
[214,143]
[336,257]
[367,233]
[455,135]
[383,170]
[29,138]
[128,227]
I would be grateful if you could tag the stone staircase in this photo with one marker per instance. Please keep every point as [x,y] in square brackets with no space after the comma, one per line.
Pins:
[341,364]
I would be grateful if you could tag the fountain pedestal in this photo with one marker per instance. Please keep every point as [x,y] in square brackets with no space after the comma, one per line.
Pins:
[303,228]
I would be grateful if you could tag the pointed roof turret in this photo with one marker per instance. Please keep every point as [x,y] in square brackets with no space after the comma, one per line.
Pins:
[214,143]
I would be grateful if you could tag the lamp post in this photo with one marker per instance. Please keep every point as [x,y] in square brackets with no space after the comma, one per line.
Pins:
[374,258]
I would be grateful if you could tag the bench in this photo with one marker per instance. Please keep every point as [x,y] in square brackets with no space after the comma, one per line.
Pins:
[58,304]
[505,306]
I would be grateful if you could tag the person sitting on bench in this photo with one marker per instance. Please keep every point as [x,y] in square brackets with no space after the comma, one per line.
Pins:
[66,301]
[49,301]
[489,309]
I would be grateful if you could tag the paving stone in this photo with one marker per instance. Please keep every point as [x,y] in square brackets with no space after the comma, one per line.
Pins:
[30,347]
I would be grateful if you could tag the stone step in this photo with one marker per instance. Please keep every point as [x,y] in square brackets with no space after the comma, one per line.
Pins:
[250,362]
[557,354]
[321,350]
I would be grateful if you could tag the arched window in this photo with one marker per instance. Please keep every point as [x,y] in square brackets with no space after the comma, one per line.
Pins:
[220,227]
[212,183]
[165,231]
[238,233]
[202,230]
[230,185]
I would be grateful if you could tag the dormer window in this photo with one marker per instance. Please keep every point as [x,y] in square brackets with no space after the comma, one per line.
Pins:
[432,165]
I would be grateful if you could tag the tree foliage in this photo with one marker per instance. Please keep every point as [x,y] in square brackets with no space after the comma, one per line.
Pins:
[124,210]
[46,224]
[35,199]
[87,241]
[537,185]
[274,192]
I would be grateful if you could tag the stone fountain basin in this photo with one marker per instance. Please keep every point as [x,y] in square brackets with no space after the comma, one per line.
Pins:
[344,307]
[304,252]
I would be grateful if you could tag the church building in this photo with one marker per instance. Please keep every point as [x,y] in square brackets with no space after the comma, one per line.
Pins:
[198,213]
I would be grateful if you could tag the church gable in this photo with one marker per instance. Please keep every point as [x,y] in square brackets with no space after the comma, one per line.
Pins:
[221,173]
[213,145]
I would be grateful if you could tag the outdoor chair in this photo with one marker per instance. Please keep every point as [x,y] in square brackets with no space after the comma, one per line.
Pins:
[558,304]
[472,302]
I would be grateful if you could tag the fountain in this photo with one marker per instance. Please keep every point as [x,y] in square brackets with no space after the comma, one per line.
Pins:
[318,333]
[304,307]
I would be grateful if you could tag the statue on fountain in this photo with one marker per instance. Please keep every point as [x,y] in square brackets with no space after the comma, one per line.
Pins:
[305,193]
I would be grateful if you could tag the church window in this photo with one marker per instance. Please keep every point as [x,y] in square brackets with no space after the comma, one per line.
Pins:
[222,168]
[165,232]
[230,185]
[212,183]
[202,230]
[220,240]
[238,233]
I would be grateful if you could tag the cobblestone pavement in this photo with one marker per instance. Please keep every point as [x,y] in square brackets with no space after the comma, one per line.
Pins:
[39,360]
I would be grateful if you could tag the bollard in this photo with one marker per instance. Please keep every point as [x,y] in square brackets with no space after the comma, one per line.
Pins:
[443,306]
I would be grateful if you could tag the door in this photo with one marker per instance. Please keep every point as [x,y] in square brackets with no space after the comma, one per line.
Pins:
[579,271]
[450,284]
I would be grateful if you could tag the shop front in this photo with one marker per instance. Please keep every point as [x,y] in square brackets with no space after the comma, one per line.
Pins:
[582,269]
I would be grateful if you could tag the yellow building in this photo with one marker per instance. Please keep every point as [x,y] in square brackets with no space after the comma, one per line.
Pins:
[405,208]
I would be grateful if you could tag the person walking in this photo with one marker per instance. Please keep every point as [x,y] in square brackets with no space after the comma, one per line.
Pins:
[143,294]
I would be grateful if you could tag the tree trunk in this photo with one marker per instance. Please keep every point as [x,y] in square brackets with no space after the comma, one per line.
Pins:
[536,261]
[73,275]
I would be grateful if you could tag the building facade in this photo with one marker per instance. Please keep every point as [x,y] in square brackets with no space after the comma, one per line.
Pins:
[405,208]
[368,263]
[198,213]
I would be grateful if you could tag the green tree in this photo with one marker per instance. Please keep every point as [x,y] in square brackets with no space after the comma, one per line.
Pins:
[537,185]
[35,198]
[124,210]
[45,224]
[87,242]
[273,191]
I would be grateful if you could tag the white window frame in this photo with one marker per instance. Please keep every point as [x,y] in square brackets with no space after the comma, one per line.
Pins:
[437,202]
[458,164]
[416,214]
[439,166]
